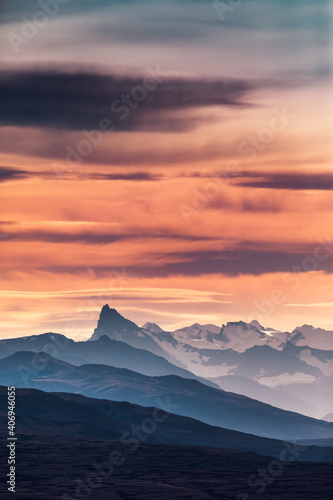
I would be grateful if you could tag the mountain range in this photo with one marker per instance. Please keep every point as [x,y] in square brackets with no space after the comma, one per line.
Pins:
[75,415]
[292,370]
[226,401]
[69,440]
[181,396]
[102,351]
[289,370]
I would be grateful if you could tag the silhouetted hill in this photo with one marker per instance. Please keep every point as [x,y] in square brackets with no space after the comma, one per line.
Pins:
[54,466]
[184,397]
[74,415]
[102,351]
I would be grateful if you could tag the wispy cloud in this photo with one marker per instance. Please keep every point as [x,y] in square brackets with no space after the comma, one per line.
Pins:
[10,173]
[293,181]
[131,176]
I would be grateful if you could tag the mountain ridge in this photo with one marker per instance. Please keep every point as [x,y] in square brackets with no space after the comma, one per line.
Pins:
[187,397]
[278,364]
[75,415]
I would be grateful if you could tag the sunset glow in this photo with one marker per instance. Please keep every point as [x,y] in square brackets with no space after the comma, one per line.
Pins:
[211,192]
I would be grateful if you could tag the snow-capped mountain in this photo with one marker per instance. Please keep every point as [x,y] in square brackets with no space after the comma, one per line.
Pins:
[202,336]
[238,336]
[284,369]
[317,338]
[294,367]
[152,327]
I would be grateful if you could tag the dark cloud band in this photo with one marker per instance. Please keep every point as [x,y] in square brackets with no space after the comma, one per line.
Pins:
[292,181]
[76,101]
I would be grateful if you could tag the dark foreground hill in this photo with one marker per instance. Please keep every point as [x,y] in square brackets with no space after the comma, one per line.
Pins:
[54,468]
[72,415]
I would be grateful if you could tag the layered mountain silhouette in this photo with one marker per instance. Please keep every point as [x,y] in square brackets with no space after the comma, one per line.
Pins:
[292,370]
[87,398]
[272,396]
[102,351]
[180,396]
[66,414]
[284,369]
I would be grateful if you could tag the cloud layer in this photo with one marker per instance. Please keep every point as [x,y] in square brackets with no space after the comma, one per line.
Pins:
[81,100]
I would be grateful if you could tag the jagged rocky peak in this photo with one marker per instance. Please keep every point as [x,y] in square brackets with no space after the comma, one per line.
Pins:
[116,327]
[111,322]
[111,315]
[240,323]
[109,312]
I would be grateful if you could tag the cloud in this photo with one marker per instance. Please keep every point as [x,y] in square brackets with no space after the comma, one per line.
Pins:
[233,262]
[291,181]
[96,236]
[15,9]
[117,150]
[74,101]
[87,238]
[13,174]
[9,174]
[294,181]
[132,176]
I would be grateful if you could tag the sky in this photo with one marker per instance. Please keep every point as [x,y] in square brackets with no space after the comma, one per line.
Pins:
[172,159]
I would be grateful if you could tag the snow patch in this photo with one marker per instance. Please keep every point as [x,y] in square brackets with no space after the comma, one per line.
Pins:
[286,379]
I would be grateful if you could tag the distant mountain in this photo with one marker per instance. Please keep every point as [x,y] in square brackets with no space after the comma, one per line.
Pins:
[238,336]
[288,364]
[181,396]
[255,390]
[277,369]
[197,335]
[78,416]
[329,417]
[321,359]
[116,327]
[285,369]
[317,338]
[101,351]
[152,327]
